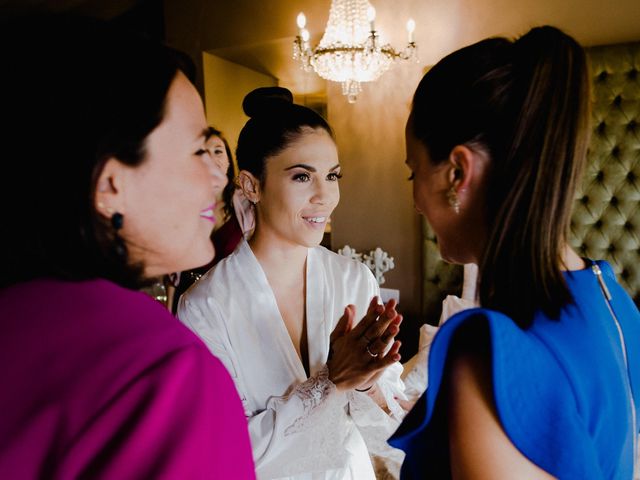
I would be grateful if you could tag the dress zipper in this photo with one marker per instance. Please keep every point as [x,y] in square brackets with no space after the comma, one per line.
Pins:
[607,295]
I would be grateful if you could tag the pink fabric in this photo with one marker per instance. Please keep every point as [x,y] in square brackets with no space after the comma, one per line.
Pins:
[245,212]
[102,382]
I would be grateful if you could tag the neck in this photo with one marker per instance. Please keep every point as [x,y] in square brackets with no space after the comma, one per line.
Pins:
[277,255]
[570,259]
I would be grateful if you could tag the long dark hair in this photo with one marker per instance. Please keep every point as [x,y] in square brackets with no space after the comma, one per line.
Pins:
[526,104]
[75,92]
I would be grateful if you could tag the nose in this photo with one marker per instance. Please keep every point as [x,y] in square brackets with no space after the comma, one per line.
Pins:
[325,193]
[217,172]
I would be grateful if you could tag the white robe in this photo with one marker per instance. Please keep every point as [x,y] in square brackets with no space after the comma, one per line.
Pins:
[301,428]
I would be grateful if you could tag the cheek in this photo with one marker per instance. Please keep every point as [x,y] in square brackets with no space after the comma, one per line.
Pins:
[421,195]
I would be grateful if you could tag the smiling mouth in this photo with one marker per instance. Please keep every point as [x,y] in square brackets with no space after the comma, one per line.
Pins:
[208,213]
[315,220]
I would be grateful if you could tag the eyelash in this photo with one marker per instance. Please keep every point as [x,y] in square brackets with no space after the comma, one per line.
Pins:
[304,177]
[202,151]
[411,177]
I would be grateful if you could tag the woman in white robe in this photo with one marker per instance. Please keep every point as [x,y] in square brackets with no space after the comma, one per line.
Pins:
[300,401]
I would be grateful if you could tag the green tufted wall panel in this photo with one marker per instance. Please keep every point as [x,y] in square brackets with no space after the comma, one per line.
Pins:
[606,219]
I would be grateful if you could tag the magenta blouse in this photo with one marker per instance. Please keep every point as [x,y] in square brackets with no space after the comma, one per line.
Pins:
[97,381]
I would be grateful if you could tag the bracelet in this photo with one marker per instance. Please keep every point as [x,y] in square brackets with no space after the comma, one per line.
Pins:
[365,390]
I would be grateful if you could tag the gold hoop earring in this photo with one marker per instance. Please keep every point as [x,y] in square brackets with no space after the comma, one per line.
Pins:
[452,198]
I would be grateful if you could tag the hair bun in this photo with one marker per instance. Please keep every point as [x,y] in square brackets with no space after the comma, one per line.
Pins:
[266,100]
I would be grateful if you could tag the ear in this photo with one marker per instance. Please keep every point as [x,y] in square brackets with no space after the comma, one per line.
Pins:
[109,196]
[250,185]
[462,167]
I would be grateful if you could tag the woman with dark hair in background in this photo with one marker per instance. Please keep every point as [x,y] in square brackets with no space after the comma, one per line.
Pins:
[226,238]
[270,310]
[99,380]
[544,379]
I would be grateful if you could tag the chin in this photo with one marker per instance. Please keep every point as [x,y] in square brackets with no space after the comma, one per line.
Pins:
[206,256]
[311,242]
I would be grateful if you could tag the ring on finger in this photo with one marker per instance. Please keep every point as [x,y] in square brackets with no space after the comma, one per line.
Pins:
[374,355]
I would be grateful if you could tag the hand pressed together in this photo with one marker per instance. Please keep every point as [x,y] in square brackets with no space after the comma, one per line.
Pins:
[358,355]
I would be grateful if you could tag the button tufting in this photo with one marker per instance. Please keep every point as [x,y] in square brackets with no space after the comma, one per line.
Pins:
[603,76]
[632,74]
[617,101]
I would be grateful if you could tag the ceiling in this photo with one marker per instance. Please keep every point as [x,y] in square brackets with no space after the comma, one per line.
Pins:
[106,9]
[259,34]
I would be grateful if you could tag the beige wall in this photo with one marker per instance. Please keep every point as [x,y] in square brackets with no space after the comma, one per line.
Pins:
[225,85]
[376,206]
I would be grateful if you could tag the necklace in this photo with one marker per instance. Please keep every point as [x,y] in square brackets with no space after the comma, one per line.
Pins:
[607,297]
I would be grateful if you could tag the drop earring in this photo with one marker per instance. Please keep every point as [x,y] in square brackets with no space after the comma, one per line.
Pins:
[117,220]
[454,202]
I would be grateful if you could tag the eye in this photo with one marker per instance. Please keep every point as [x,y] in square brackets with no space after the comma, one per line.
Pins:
[334,176]
[301,177]
[218,151]
[411,177]
[202,151]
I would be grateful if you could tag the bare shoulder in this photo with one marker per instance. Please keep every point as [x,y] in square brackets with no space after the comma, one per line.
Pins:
[479,447]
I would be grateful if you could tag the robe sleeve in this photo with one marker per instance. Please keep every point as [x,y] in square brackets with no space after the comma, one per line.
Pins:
[308,424]
[390,385]
[179,418]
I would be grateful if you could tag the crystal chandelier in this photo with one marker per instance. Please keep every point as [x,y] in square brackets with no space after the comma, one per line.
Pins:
[350,51]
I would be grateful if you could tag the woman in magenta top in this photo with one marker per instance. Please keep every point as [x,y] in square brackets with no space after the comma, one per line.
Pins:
[105,140]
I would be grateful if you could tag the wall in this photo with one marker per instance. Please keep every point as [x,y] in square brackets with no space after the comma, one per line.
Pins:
[376,206]
[225,86]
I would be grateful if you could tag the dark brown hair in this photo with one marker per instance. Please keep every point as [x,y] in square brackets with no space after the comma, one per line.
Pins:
[526,104]
[99,93]
[275,122]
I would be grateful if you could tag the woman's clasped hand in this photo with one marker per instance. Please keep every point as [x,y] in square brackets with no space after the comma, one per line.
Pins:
[358,355]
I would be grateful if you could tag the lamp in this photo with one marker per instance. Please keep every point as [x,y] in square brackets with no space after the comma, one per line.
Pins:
[350,51]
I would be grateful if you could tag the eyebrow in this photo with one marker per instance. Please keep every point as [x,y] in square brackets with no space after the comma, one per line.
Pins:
[206,133]
[309,167]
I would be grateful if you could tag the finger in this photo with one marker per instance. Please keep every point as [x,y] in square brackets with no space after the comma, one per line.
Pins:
[376,329]
[344,324]
[391,304]
[388,333]
[382,343]
[392,356]
[373,312]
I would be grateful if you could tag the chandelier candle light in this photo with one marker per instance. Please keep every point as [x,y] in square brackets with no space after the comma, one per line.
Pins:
[350,51]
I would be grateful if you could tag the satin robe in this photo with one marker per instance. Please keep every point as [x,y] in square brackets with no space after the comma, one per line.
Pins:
[300,427]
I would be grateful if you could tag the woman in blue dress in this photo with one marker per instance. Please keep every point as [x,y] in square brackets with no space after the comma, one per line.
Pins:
[544,380]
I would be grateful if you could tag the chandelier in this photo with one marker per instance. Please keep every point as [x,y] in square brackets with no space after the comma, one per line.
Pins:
[351,51]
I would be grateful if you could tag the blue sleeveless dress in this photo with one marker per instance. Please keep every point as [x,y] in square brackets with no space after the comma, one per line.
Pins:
[564,391]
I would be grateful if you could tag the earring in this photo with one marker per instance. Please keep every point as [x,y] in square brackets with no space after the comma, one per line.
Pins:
[454,202]
[117,220]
